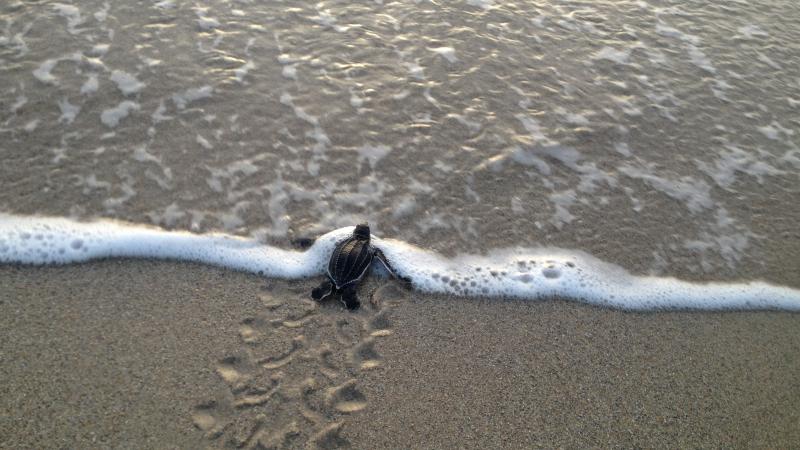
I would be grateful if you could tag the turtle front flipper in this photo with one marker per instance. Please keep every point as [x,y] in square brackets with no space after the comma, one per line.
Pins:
[349,297]
[382,258]
[321,292]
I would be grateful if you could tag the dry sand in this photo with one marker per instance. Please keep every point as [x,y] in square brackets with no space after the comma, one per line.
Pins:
[141,354]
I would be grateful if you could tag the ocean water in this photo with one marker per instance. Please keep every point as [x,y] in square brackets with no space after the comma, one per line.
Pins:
[660,136]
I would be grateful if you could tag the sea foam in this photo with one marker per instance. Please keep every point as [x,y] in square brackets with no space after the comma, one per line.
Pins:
[525,273]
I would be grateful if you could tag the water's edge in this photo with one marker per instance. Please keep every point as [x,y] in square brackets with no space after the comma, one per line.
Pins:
[526,273]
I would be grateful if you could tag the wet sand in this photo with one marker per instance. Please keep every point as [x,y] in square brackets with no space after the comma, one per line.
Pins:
[140,354]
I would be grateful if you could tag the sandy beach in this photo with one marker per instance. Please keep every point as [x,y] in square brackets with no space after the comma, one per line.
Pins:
[141,354]
[659,136]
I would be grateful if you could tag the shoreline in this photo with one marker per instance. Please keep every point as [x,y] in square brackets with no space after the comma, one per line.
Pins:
[157,354]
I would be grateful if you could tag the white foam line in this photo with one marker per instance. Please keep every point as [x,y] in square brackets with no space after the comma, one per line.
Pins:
[40,240]
[535,274]
[542,273]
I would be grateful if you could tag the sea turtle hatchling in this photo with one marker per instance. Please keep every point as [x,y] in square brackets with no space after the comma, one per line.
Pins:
[349,262]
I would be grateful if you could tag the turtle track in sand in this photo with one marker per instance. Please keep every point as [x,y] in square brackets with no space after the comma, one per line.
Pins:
[294,380]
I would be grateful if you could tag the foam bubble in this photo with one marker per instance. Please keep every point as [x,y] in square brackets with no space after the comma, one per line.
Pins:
[127,83]
[72,14]
[68,111]
[614,55]
[42,73]
[91,84]
[485,4]
[447,53]
[182,99]
[112,116]
[204,22]
[525,273]
[240,72]
[373,153]
[750,31]
[31,126]
[290,71]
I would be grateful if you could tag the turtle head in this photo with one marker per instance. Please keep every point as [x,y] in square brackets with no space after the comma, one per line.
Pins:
[362,231]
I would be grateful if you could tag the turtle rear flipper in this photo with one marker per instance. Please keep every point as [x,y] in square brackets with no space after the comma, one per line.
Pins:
[349,297]
[322,291]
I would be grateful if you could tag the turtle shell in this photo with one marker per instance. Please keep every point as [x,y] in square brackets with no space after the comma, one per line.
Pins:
[350,260]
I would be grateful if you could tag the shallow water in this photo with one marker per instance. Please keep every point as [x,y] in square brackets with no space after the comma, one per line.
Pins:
[661,136]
